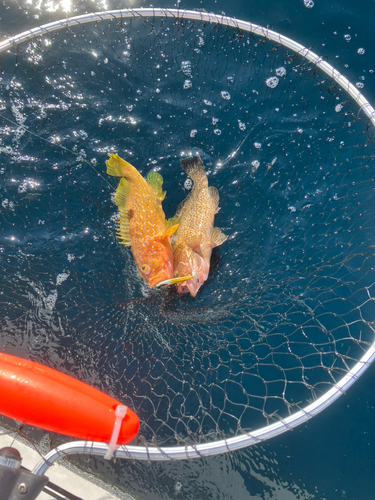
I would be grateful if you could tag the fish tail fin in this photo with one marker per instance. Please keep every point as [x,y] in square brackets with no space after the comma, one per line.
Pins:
[117,167]
[194,168]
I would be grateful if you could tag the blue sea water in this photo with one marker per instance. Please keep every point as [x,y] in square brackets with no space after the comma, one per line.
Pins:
[331,457]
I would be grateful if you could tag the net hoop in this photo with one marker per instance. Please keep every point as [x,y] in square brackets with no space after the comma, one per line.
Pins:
[302,416]
[217,447]
[204,17]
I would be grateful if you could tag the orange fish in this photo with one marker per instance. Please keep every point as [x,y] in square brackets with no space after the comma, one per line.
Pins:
[142,223]
[196,237]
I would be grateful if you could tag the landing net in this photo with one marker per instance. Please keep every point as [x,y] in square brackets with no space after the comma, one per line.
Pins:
[284,324]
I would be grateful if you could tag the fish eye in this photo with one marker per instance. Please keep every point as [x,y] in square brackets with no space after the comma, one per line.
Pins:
[145,269]
[176,274]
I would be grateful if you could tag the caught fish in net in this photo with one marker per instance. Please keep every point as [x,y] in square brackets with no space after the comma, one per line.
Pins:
[284,323]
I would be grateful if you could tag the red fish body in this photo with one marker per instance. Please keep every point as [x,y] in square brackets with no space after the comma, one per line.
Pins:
[142,223]
[196,235]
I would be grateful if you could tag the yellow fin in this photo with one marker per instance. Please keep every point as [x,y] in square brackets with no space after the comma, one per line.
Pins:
[217,237]
[167,234]
[172,222]
[122,196]
[156,182]
[122,228]
[116,166]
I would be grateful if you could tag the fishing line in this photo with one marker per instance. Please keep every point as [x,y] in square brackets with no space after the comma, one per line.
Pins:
[26,129]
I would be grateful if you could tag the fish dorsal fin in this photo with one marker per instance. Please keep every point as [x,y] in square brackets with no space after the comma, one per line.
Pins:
[122,197]
[195,244]
[155,180]
[217,237]
[181,205]
[167,233]
[214,194]
[172,222]
[122,194]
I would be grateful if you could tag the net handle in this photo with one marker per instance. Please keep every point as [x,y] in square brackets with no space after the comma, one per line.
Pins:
[204,17]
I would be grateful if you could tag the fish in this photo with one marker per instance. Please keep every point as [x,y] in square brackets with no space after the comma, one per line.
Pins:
[142,224]
[196,235]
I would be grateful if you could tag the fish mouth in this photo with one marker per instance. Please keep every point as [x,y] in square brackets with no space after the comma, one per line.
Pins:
[191,286]
[172,281]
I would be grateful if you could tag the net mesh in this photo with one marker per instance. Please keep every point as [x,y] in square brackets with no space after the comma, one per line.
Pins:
[288,307]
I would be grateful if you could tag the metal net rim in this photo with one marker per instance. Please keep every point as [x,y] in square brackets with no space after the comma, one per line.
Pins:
[266,432]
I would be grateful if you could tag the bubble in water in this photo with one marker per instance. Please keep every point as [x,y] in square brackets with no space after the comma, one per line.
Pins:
[338,107]
[187,84]
[186,68]
[361,51]
[188,183]
[255,165]
[178,486]
[280,71]
[217,131]
[61,277]
[105,60]
[207,103]
[241,125]
[308,3]
[193,132]
[257,145]
[272,82]
[347,38]
[225,95]
[215,120]
[359,85]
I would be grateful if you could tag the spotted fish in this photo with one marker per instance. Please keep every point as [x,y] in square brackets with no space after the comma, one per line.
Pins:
[196,235]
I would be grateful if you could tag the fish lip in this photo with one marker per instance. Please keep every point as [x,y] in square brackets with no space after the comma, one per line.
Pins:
[185,288]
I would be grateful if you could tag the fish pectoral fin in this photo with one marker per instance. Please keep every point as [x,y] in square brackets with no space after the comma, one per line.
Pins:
[116,166]
[167,233]
[214,195]
[195,244]
[155,180]
[217,237]
[173,222]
